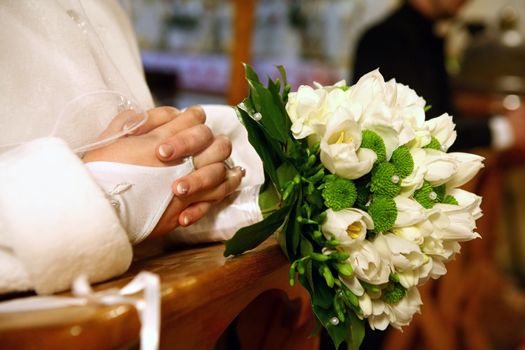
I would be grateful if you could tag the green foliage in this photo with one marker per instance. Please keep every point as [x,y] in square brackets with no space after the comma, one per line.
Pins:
[250,237]
[373,141]
[402,161]
[426,196]
[450,200]
[339,193]
[384,180]
[434,144]
[393,293]
[383,211]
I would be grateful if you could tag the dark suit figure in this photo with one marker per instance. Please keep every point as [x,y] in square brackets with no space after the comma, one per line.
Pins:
[405,47]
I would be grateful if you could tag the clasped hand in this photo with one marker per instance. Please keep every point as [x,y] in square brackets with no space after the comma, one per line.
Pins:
[167,137]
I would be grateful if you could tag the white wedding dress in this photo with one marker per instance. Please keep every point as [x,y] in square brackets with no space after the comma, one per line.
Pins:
[62,64]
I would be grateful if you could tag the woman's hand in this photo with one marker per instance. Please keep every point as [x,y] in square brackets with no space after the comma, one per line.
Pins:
[166,139]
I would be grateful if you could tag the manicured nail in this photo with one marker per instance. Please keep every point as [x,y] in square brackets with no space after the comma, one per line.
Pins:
[182,188]
[166,150]
[243,171]
[185,221]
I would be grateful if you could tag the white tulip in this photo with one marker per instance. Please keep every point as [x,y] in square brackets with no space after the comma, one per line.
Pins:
[409,212]
[468,166]
[405,257]
[401,314]
[340,152]
[309,108]
[367,263]
[398,315]
[415,180]
[440,167]
[443,129]
[461,223]
[469,201]
[347,226]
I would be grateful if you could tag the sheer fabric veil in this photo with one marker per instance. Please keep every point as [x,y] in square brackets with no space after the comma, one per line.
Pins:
[58,72]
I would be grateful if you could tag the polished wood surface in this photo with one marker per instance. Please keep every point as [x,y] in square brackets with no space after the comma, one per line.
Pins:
[202,293]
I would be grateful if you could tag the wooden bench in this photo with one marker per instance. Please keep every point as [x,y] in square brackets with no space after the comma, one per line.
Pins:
[202,294]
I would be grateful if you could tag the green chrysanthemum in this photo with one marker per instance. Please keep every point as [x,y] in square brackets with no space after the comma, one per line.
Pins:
[434,144]
[440,191]
[393,293]
[383,211]
[385,180]
[339,193]
[450,200]
[426,195]
[373,141]
[402,160]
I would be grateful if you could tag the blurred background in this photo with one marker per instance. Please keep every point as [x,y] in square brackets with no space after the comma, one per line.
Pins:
[192,49]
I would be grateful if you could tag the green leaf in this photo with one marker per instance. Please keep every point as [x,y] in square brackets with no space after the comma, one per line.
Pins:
[356,332]
[286,85]
[322,295]
[338,333]
[269,200]
[250,73]
[273,121]
[309,276]
[292,227]
[257,140]
[286,173]
[251,236]
[306,247]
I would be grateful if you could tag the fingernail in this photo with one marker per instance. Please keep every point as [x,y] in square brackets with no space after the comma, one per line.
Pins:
[243,171]
[166,150]
[185,221]
[182,188]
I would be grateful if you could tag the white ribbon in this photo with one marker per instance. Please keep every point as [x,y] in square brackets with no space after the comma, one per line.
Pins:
[147,305]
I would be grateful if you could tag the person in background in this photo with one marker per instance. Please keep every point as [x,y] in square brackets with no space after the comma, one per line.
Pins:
[404,46]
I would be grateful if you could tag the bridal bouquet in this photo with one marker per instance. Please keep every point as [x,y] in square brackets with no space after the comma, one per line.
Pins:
[363,195]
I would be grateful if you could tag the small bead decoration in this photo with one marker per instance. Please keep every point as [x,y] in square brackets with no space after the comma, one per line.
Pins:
[257,116]
[395,179]
[334,321]
[432,195]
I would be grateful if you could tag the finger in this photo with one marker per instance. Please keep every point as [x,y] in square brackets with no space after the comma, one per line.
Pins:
[156,118]
[206,178]
[230,184]
[170,218]
[218,152]
[194,213]
[118,123]
[192,116]
[185,143]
